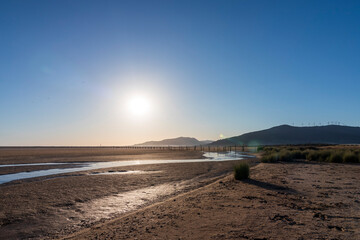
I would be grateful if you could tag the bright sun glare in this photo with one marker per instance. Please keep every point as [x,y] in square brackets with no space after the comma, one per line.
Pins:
[139,105]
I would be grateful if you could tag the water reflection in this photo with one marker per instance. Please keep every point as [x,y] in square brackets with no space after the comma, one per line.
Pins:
[124,172]
[86,166]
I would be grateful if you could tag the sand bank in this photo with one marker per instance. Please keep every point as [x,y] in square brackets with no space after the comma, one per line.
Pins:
[280,201]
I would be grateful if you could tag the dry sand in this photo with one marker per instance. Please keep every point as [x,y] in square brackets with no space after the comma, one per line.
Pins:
[280,201]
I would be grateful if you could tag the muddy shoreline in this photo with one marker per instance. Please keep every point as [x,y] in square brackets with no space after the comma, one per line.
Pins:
[47,207]
[19,155]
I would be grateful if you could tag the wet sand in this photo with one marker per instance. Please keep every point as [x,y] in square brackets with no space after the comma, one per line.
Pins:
[281,201]
[18,155]
[11,170]
[53,206]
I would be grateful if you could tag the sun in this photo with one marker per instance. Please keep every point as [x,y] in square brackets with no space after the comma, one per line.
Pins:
[139,105]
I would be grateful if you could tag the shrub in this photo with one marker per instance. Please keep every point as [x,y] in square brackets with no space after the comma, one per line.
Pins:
[336,157]
[241,171]
[313,155]
[268,158]
[259,148]
[298,154]
[324,156]
[306,153]
[350,157]
[289,153]
[284,156]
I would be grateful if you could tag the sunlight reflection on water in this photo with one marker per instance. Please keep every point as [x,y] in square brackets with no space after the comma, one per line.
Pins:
[210,157]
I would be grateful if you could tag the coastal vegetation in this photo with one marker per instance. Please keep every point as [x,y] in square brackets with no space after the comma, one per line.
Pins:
[333,154]
[241,171]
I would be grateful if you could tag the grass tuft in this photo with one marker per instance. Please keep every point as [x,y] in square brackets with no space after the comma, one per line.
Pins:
[241,171]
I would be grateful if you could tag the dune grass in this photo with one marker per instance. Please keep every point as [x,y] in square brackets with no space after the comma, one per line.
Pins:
[311,153]
[241,171]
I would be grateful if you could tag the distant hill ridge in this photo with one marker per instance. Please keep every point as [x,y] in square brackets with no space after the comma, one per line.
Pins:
[180,141]
[285,134]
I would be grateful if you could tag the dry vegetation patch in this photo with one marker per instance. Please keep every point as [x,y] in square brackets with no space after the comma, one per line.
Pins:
[339,154]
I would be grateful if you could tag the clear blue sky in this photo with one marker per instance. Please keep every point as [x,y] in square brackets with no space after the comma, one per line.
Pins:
[208,67]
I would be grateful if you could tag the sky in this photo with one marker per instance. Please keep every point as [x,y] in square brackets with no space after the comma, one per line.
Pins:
[207,69]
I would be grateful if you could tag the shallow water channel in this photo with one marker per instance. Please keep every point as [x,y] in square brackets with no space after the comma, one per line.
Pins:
[85,166]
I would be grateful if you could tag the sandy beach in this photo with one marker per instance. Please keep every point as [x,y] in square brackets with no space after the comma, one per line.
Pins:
[281,201]
[303,200]
[58,205]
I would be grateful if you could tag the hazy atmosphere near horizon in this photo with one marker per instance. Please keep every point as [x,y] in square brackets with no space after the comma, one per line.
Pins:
[126,72]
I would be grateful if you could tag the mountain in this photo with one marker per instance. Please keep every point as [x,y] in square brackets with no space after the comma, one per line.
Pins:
[285,134]
[180,141]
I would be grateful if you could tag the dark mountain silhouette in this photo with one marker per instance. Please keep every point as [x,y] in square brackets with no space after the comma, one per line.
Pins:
[285,134]
[180,141]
